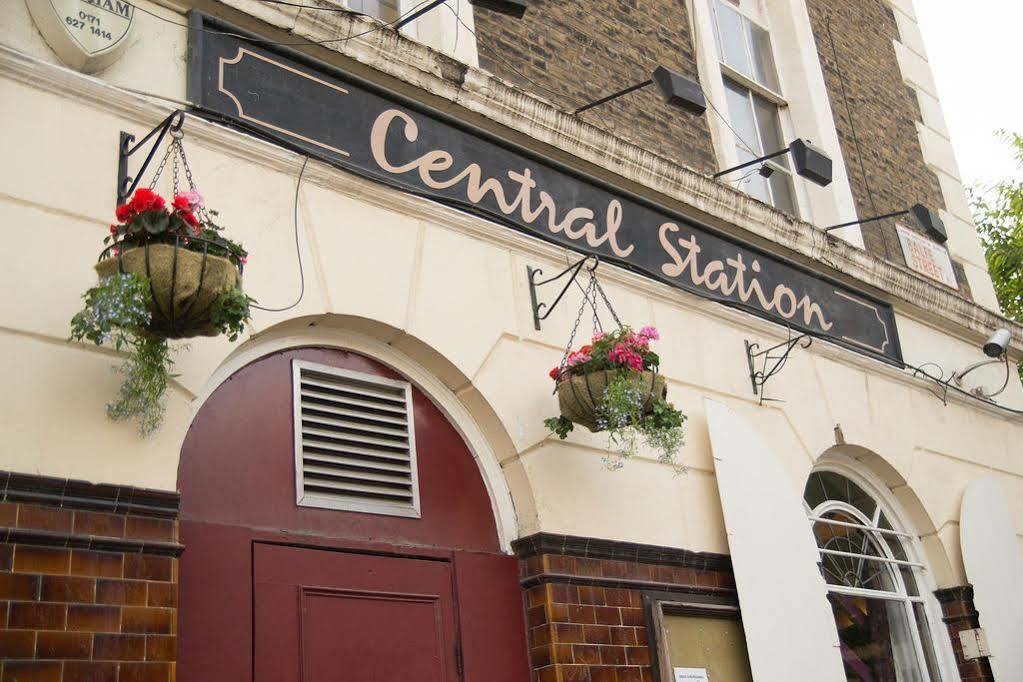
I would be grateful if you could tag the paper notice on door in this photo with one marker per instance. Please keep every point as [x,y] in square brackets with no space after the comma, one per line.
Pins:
[691,675]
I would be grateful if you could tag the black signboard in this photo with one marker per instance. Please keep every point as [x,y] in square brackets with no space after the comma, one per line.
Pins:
[358,127]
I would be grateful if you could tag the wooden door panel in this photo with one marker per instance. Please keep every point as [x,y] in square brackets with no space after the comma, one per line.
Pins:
[324,616]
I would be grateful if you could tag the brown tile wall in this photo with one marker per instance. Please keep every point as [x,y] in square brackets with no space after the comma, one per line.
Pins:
[585,615]
[571,52]
[960,614]
[86,596]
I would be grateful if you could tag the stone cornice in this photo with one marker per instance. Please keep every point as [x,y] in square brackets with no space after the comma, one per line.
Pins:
[675,186]
[146,112]
[531,119]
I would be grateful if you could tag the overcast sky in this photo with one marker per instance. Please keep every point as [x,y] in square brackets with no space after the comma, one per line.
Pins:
[976,53]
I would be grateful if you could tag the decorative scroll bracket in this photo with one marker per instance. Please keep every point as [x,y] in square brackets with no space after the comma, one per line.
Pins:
[127,184]
[770,363]
[541,311]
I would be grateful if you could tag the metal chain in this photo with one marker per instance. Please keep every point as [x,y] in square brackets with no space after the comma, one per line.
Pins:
[174,145]
[575,327]
[610,309]
[159,169]
[201,210]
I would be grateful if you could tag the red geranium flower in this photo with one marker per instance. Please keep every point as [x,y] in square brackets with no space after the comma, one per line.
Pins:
[181,203]
[554,373]
[123,213]
[146,199]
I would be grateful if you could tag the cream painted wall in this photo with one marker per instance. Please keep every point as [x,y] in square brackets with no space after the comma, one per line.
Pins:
[450,291]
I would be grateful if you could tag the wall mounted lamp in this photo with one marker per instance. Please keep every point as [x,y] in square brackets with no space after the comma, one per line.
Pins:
[676,89]
[513,8]
[810,162]
[925,217]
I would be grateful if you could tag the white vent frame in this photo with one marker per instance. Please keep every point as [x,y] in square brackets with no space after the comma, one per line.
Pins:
[339,502]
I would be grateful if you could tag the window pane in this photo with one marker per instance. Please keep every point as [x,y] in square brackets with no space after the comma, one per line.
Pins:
[732,39]
[717,644]
[827,485]
[385,10]
[769,127]
[755,185]
[925,636]
[740,115]
[782,192]
[876,641]
[764,70]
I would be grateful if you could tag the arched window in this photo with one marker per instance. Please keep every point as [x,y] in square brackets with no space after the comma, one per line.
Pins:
[874,582]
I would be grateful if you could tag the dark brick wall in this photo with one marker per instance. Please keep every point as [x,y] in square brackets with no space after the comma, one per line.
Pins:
[88,585]
[584,603]
[960,614]
[876,127]
[575,51]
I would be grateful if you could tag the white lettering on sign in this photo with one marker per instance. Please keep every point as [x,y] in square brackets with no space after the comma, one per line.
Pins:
[86,34]
[691,675]
[926,257]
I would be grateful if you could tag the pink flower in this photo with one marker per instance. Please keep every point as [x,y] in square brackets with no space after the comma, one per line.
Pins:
[598,336]
[578,358]
[243,260]
[649,333]
[193,198]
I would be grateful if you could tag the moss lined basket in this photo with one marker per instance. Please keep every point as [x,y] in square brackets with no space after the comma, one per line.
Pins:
[185,285]
[580,396]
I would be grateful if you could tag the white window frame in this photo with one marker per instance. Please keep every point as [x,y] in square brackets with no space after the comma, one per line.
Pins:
[808,105]
[727,153]
[885,503]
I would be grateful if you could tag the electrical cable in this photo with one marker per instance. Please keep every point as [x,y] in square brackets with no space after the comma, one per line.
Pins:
[260,41]
[855,136]
[298,252]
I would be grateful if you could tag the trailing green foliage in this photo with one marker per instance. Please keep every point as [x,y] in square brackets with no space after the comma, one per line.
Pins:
[231,312]
[621,415]
[116,313]
[998,212]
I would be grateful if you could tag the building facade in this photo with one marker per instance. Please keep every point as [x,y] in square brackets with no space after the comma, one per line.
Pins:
[362,487]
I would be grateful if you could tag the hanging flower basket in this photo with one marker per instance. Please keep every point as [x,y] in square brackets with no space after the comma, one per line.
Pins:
[168,272]
[184,284]
[613,386]
[579,396]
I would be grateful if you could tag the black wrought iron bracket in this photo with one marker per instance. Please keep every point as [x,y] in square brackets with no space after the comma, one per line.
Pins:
[127,184]
[770,361]
[541,311]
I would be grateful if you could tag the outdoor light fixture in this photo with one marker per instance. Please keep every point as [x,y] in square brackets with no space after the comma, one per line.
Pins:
[513,8]
[925,217]
[810,162]
[676,89]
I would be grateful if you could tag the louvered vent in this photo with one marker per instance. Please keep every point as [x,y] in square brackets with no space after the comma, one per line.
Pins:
[354,441]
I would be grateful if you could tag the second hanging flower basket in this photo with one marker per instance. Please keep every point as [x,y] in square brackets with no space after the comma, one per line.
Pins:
[613,385]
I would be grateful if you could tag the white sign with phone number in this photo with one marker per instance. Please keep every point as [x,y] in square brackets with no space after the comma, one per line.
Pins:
[87,35]
[691,675]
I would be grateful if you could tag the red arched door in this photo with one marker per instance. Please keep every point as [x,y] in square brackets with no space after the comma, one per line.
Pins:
[273,590]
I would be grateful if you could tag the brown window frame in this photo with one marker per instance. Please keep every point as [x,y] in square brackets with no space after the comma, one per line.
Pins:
[657,604]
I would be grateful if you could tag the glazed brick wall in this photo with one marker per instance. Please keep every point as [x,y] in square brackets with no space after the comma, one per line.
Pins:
[571,52]
[877,128]
[959,613]
[86,595]
[585,614]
